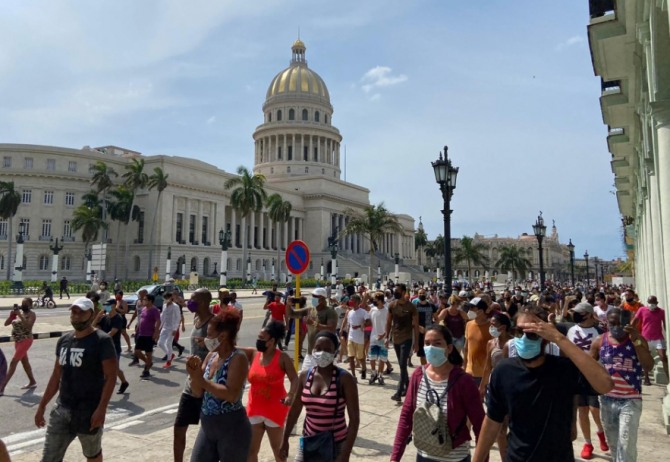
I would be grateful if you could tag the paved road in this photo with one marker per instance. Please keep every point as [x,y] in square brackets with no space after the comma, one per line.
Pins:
[158,396]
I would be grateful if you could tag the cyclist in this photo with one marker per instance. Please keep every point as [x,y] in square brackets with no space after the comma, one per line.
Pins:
[48,294]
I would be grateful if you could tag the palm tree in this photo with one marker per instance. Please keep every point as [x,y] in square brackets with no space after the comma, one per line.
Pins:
[513,258]
[120,210]
[133,179]
[10,199]
[373,222]
[279,211]
[471,252]
[89,220]
[248,195]
[435,249]
[158,181]
[102,181]
[420,239]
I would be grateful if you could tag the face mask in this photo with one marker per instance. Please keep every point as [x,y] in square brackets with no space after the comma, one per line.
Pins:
[225,301]
[617,332]
[653,306]
[192,306]
[212,343]
[495,333]
[81,325]
[119,297]
[397,295]
[422,298]
[435,356]
[323,358]
[578,317]
[471,315]
[528,349]
[630,300]
[262,345]
[315,302]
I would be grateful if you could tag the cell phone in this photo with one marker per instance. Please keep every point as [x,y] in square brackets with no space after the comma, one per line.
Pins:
[625,317]
[16,306]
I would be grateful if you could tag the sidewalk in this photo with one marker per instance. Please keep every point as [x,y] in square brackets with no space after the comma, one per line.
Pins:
[379,417]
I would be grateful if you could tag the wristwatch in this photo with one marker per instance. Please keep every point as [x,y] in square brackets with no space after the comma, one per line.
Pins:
[637,342]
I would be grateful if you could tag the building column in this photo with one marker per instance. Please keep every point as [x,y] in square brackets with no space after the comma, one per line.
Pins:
[233,226]
[286,241]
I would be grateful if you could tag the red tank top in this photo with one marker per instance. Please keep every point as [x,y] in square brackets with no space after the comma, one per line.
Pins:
[267,390]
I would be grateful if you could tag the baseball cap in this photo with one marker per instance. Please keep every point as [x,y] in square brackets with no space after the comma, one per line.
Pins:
[463,294]
[83,303]
[583,307]
[319,292]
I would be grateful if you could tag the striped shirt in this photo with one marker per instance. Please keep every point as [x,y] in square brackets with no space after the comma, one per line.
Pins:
[320,409]
[459,453]
[624,366]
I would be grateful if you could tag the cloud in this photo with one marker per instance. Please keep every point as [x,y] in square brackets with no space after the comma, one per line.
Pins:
[380,77]
[572,41]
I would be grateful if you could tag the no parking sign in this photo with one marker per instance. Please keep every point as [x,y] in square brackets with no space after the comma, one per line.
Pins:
[297,257]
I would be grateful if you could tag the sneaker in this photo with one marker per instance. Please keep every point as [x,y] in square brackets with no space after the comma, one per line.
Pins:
[181,350]
[587,451]
[404,393]
[134,362]
[388,371]
[647,382]
[396,397]
[363,374]
[373,378]
[409,364]
[122,388]
[380,379]
[167,365]
[145,374]
[164,358]
[603,441]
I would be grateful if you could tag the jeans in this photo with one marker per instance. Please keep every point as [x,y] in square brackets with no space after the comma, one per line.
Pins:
[621,419]
[165,342]
[224,437]
[62,430]
[403,351]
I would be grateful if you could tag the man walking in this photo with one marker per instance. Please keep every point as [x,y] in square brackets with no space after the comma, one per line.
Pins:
[169,324]
[357,319]
[110,321]
[650,320]
[84,376]
[63,288]
[403,324]
[146,334]
[477,336]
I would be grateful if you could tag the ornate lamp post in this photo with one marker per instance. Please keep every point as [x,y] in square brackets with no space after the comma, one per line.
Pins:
[224,240]
[595,268]
[183,266]
[332,245]
[273,269]
[89,258]
[248,278]
[588,280]
[571,248]
[55,248]
[397,262]
[17,278]
[540,230]
[445,175]
[168,263]
[379,270]
[321,273]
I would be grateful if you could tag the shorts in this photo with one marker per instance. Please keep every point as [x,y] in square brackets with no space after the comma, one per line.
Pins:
[144,343]
[459,343]
[367,335]
[188,412]
[421,352]
[356,350]
[124,323]
[21,348]
[378,351]
[656,344]
[60,433]
[344,334]
[259,419]
[588,400]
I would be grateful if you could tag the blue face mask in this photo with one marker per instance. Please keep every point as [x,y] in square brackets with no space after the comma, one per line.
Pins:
[527,348]
[435,356]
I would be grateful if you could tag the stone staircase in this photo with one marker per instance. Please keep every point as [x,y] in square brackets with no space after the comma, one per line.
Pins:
[357,263]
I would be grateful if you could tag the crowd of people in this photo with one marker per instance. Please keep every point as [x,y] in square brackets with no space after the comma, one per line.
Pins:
[521,368]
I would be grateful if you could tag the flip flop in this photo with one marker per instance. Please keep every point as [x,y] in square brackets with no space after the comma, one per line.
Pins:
[29,387]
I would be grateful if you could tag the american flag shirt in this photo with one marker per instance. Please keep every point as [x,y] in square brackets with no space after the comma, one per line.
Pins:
[624,366]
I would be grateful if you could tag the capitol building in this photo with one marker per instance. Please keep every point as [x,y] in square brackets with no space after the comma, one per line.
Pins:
[297,149]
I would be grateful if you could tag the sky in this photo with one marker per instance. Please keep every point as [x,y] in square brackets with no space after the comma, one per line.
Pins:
[507,85]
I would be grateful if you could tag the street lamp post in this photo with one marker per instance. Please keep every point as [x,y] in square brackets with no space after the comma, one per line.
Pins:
[595,268]
[588,280]
[183,266]
[379,270]
[168,263]
[224,240]
[397,262]
[89,258]
[273,270]
[248,278]
[540,231]
[17,279]
[55,248]
[321,271]
[332,245]
[445,175]
[571,248]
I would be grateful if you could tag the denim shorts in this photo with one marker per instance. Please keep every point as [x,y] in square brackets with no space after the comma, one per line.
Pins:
[61,431]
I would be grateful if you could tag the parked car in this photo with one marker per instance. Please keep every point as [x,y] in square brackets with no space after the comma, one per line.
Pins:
[157,290]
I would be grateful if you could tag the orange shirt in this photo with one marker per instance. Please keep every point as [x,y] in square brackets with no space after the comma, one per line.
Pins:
[476,336]
[632,307]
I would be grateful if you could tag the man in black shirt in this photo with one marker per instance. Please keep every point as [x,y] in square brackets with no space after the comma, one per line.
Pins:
[84,376]
[537,393]
[110,321]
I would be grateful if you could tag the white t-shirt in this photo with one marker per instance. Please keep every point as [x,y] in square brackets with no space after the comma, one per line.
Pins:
[357,318]
[378,319]
[583,337]
[341,312]
[170,317]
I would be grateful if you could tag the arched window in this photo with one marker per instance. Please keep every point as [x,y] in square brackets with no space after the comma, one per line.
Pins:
[238,264]
[205,266]
[316,116]
[306,169]
[291,114]
[323,171]
[288,169]
[269,116]
[194,264]
[279,115]
[137,263]
[305,114]
[44,262]
[258,265]
[272,169]
[325,118]
[2,262]
[65,262]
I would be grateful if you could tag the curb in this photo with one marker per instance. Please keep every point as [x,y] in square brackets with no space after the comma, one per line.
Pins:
[37,336]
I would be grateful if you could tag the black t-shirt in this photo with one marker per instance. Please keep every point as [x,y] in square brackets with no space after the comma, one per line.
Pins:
[539,402]
[426,313]
[82,377]
[107,323]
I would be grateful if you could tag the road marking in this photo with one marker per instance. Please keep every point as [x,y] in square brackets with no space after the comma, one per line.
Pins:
[171,411]
[127,424]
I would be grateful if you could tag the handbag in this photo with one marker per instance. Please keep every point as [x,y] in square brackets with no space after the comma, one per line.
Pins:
[321,446]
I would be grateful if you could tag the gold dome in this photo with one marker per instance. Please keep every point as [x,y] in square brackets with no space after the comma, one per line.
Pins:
[298,78]
[298,43]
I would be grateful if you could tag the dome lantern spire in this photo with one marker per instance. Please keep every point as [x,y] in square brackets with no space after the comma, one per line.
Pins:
[298,48]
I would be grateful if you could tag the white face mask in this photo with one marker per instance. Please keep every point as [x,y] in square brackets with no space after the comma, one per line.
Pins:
[212,343]
[471,315]
[495,333]
[653,306]
[323,358]
[315,302]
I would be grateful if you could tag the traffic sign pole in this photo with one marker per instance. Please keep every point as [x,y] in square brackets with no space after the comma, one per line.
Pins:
[296,323]
[297,261]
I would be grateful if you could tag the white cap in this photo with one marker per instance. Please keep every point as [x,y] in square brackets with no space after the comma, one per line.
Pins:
[463,294]
[319,292]
[83,303]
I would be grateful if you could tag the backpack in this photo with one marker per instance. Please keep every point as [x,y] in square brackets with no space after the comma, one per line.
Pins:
[430,432]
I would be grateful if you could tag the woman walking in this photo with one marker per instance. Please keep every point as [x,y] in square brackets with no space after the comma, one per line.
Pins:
[22,320]
[225,432]
[268,401]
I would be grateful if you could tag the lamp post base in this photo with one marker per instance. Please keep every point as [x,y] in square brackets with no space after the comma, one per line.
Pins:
[17,285]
